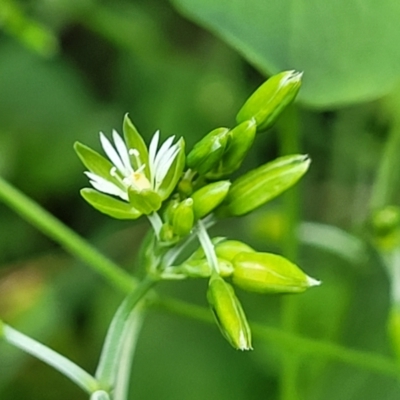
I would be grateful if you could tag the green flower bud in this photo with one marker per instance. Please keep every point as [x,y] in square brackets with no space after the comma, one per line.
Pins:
[200,268]
[144,200]
[183,217]
[206,154]
[167,234]
[228,313]
[110,206]
[240,140]
[270,99]
[269,273]
[385,226]
[209,197]
[229,249]
[264,183]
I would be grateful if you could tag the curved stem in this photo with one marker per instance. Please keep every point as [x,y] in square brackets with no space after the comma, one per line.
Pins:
[52,358]
[66,237]
[117,335]
[289,144]
[387,177]
[294,344]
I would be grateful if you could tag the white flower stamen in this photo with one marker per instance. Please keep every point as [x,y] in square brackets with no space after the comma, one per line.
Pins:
[124,173]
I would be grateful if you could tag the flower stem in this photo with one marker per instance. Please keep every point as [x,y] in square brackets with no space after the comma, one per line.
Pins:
[207,246]
[67,238]
[292,343]
[120,340]
[156,223]
[52,358]
[289,144]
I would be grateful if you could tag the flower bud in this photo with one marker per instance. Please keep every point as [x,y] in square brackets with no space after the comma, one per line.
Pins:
[209,197]
[269,273]
[183,217]
[270,99]
[264,183]
[206,154]
[144,200]
[200,268]
[228,313]
[110,206]
[167,234]
[385,227]
[240,140]
[229,249]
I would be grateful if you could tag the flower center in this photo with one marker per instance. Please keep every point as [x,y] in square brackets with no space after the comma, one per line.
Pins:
[140,181]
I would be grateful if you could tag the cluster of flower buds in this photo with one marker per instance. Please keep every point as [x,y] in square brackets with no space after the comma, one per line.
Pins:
[177,192]
[249,270]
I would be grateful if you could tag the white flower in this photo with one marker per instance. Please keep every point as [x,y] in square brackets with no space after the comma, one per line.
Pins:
[123,175]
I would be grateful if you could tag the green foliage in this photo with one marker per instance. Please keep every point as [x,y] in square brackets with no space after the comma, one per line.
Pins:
[333,43]
[72,68]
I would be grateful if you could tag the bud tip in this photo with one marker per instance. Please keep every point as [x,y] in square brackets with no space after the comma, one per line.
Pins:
[313,282]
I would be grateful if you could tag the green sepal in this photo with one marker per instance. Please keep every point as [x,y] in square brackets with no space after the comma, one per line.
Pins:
[270,99]
[110,206]
[183,218]
[134,140]
[269,273]
[200,268]
[96,163]
[229,249]
[228,313]
[241,139]
[145,200]
[264,183]
[209,197]
[175,172]
[206,153]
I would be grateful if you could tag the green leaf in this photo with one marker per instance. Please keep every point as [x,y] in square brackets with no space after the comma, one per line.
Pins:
[110,206]
[348,49]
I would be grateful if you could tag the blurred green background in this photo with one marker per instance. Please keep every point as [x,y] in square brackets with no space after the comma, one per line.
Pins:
[72,68]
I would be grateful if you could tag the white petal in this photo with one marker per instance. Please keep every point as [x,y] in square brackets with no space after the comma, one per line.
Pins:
[111,153]
[102,185]
[164,148]
[123,152]
[152,153]
[164,165]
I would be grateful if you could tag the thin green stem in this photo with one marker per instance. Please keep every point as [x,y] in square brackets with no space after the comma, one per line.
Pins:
[52,358]
[207,246]
[111,354]
[128,348]
[293,344]
[67,238]
[387,177]
[289,144]
[156,223]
